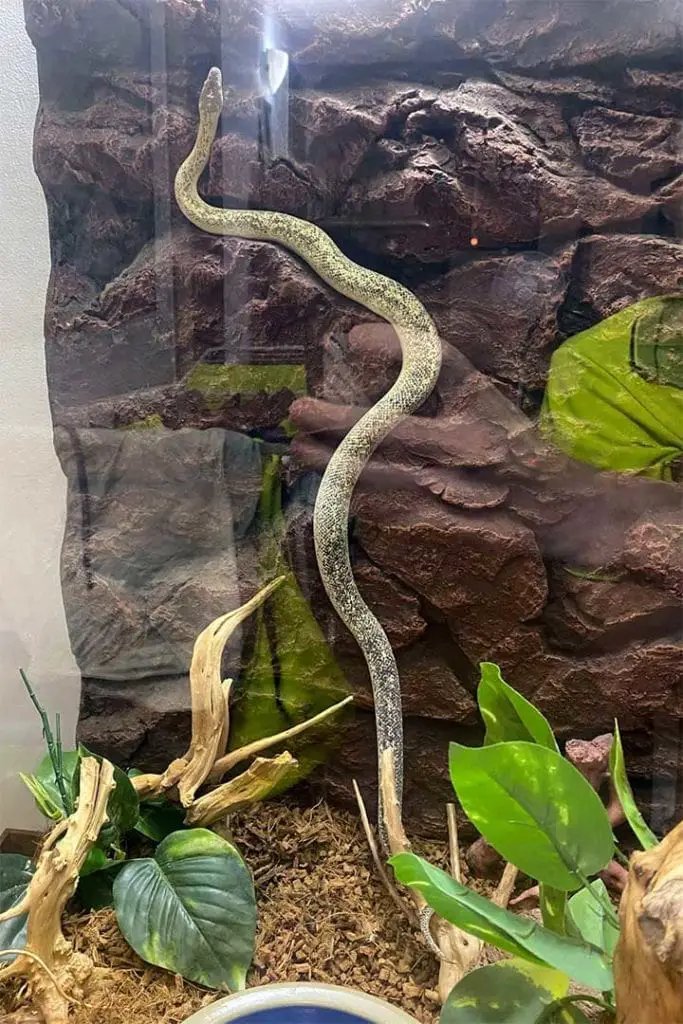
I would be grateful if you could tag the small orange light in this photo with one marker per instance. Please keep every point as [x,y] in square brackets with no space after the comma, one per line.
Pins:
[474,240]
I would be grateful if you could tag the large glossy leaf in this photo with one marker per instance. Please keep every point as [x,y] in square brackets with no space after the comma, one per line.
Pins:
[507,714]
[588,914]
[190,909]
[520,936]
[535,808]
[15,874]
[617,765]
[508,992]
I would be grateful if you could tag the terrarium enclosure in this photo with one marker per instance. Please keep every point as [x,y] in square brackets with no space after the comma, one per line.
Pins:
[224,410]
[517,165]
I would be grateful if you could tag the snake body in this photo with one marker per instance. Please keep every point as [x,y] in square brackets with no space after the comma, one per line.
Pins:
[421,349]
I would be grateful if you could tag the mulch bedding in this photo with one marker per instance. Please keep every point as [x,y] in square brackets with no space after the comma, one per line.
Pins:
[323,916]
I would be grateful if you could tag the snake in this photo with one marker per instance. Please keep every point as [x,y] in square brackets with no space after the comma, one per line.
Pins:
[420,366]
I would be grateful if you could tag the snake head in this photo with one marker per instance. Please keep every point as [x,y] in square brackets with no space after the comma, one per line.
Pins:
[211,96]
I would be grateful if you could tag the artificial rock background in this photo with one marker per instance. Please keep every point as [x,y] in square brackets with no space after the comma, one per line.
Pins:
[547,131]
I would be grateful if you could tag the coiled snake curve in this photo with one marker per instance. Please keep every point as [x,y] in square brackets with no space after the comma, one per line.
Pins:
[421,348]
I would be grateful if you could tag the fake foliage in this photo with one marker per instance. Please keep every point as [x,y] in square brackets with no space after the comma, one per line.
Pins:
[188,907]
[537,810]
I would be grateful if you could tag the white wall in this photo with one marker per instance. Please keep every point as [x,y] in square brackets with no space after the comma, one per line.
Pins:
[32,487]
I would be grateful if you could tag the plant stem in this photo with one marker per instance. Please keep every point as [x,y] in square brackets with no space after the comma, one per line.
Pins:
[550,1012]
[58,743]
[621,857]
[606,904]
[52,749]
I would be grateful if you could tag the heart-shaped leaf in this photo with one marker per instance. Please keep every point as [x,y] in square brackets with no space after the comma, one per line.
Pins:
[508,992]
[588,914]
[15,874]
[617,767]
[157,821]
[507,714]
[535,809]
[520,936]
[190,909]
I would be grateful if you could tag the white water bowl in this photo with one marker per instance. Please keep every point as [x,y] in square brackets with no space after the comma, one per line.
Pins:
[300,1003]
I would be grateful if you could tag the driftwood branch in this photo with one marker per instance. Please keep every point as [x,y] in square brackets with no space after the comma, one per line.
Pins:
[252,786]
[458,952]
[206,760]
[209,694]
[55,973]
[379,865]
[501,896]
[235,757]
[648,961]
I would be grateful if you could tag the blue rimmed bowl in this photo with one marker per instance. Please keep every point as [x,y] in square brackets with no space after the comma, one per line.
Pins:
[304,1003]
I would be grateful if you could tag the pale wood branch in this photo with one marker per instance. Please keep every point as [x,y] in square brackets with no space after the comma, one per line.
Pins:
[209,697]
[147,786]
[209,708]
[229,761]
[648,961]
[506,886]
[458,952]
[253,785]
[49,964]
[206,760]
[226,686]
[381,871]
[453,843]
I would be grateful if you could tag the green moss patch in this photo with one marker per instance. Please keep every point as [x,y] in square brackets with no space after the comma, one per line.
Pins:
[215,383]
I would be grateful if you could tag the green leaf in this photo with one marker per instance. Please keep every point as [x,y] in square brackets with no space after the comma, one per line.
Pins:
[505,993]
[123,805]
[15,874]
[520,936]
[190,909]
[535,809]
[42,797]
[95,861]
[159,819]
[617,767]
[614,394]
[45,775]
[507,714]
[553,908]
[587,912]
[96,891]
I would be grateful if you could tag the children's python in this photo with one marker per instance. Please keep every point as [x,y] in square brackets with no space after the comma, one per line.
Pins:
[421,349]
